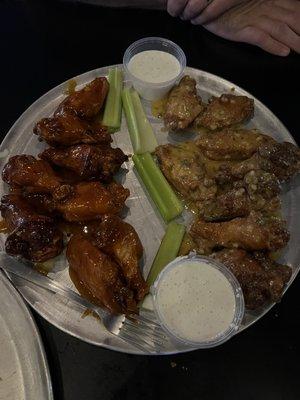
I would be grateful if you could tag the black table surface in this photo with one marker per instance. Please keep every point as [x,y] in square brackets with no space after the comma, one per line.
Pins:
[44,43]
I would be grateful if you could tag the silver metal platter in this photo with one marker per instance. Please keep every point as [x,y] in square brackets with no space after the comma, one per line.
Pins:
[141,212]
[23,368]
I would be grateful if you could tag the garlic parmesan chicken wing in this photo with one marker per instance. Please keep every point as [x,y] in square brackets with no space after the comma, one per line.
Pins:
[119,240]
[225,111]
[232,144]
[34,175]
[183,105]
[262,279]
[279,159]
[32,236]
[258,191]
[87,102]
[183,167]
[87,161]
[91,200]
[254,232]
[97,277]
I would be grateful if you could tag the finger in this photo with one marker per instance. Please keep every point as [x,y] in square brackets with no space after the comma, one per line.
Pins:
[258,37]
[176,7]
[193,8]
[291,18]
[280,31]
[214,10]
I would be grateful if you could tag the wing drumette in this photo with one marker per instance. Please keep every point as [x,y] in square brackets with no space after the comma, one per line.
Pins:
[34,175]
[97,277]
[255,232]
[120,240]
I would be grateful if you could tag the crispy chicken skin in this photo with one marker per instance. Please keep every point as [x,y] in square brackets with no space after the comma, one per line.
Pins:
[225,110]
[183,167]
[254,232]
[32,236]
[262,279]
[34,175]
[229,144]
[91,200]
[97,277]
[183,105]
[87,102]
[120,240]
[87,161]
[68,130]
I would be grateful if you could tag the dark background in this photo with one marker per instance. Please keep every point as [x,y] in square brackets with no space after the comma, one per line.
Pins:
[44,43]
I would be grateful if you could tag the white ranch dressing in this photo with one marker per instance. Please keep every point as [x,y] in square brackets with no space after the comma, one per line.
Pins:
[154,66]
[196,301]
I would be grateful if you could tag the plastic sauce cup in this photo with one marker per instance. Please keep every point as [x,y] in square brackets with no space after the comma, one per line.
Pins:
[162,304]
[149,90]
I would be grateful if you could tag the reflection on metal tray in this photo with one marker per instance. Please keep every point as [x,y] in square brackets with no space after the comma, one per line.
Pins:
[142,215]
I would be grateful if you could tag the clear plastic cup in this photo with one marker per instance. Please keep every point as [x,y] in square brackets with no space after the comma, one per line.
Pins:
[221,337]
[147,90]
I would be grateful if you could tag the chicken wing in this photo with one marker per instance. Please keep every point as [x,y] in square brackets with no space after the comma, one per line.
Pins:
[31,236]
[87,102]
[87,161]
[97,277]
[280,159]
[225,110]
[229,144]
[183,105]
[120,240]
[262,279]
[68,130]
[34,175]
[183,167]
[258,191]
[255,232]
[91,200]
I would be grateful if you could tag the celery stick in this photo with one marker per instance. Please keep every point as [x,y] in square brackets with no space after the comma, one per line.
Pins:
[158,187]
[167,251]
[140,130]
[148,138]
[131,120]
[113,106]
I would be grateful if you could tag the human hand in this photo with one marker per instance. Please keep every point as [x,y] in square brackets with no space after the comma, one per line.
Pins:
[211,9]
[273,25]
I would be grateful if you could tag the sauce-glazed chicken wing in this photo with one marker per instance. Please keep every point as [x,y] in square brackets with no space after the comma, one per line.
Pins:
[183,105]
[87,102]
[97,277]
[225,110]
[87,161]
[34,175]
[183,167]
[90,200]
[68,129]
[262,279]
[230,144]
[255,232]
[120,240]
[31,236]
